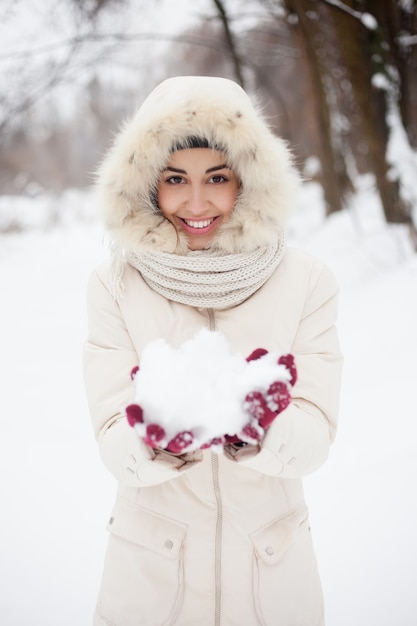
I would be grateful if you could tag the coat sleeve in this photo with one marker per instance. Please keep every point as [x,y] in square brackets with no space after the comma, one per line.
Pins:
[109,356]
[298,441]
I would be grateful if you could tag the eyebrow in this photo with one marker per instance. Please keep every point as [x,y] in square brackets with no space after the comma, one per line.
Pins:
[211,169]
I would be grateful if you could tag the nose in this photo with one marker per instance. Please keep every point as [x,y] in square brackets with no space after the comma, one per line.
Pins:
[197,201]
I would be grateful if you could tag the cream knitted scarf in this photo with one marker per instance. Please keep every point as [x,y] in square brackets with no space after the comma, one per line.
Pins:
[208,279]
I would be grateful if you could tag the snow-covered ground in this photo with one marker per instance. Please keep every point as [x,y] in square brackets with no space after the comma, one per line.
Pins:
[55,493]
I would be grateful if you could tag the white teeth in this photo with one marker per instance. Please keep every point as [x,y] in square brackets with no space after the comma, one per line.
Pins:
[200,224]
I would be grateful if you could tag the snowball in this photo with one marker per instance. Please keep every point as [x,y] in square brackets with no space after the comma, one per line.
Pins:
[201,386]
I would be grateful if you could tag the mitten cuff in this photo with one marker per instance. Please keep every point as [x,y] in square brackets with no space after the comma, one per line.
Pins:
[236,452]
[177,461]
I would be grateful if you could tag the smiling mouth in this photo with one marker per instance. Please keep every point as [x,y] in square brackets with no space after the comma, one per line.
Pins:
[199,223]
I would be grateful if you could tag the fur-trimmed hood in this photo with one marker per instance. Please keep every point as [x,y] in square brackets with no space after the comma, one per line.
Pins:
[220,111]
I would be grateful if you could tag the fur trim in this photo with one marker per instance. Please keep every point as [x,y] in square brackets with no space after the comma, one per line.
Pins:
[216,109]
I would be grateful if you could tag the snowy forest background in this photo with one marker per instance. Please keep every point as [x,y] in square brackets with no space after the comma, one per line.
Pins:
[338,80]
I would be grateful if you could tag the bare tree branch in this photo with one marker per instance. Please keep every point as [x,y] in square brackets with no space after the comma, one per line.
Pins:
[61,72]
[237,64]
[344,7]
[116,37]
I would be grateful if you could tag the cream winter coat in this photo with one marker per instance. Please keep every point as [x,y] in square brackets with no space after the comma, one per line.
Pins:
[208,539]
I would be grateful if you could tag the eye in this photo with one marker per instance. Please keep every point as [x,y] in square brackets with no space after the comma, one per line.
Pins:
[218,178]
[175,180]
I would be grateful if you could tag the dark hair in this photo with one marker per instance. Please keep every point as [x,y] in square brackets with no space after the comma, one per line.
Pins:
[194,142]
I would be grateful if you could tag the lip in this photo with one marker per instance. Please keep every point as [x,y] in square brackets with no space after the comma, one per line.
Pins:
[202,230]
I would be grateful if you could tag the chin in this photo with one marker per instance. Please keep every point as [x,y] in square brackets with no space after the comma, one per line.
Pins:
[198,247]
[199,244]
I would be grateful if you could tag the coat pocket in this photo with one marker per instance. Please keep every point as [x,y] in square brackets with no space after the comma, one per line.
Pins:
[143,577]
[287,588]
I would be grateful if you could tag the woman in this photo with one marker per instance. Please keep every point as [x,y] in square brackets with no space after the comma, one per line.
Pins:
[195,191]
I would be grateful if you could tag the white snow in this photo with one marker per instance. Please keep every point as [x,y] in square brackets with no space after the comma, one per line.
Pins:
[369,21]
[200,386]
[56,494]
[402,158]
[380,81]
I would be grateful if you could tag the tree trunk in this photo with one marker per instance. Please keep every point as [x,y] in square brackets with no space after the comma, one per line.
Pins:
[363,50]
[399,28]
[308,37]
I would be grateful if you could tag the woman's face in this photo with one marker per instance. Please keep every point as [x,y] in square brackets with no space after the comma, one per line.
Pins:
[197,192]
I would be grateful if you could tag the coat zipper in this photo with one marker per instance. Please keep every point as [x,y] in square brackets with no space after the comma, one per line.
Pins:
[218,540]
[219,520]
[211,319]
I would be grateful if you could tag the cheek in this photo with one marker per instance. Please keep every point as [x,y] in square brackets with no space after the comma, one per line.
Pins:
[164,201]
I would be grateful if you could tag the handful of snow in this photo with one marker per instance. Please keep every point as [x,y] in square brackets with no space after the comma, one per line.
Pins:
[202,395]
